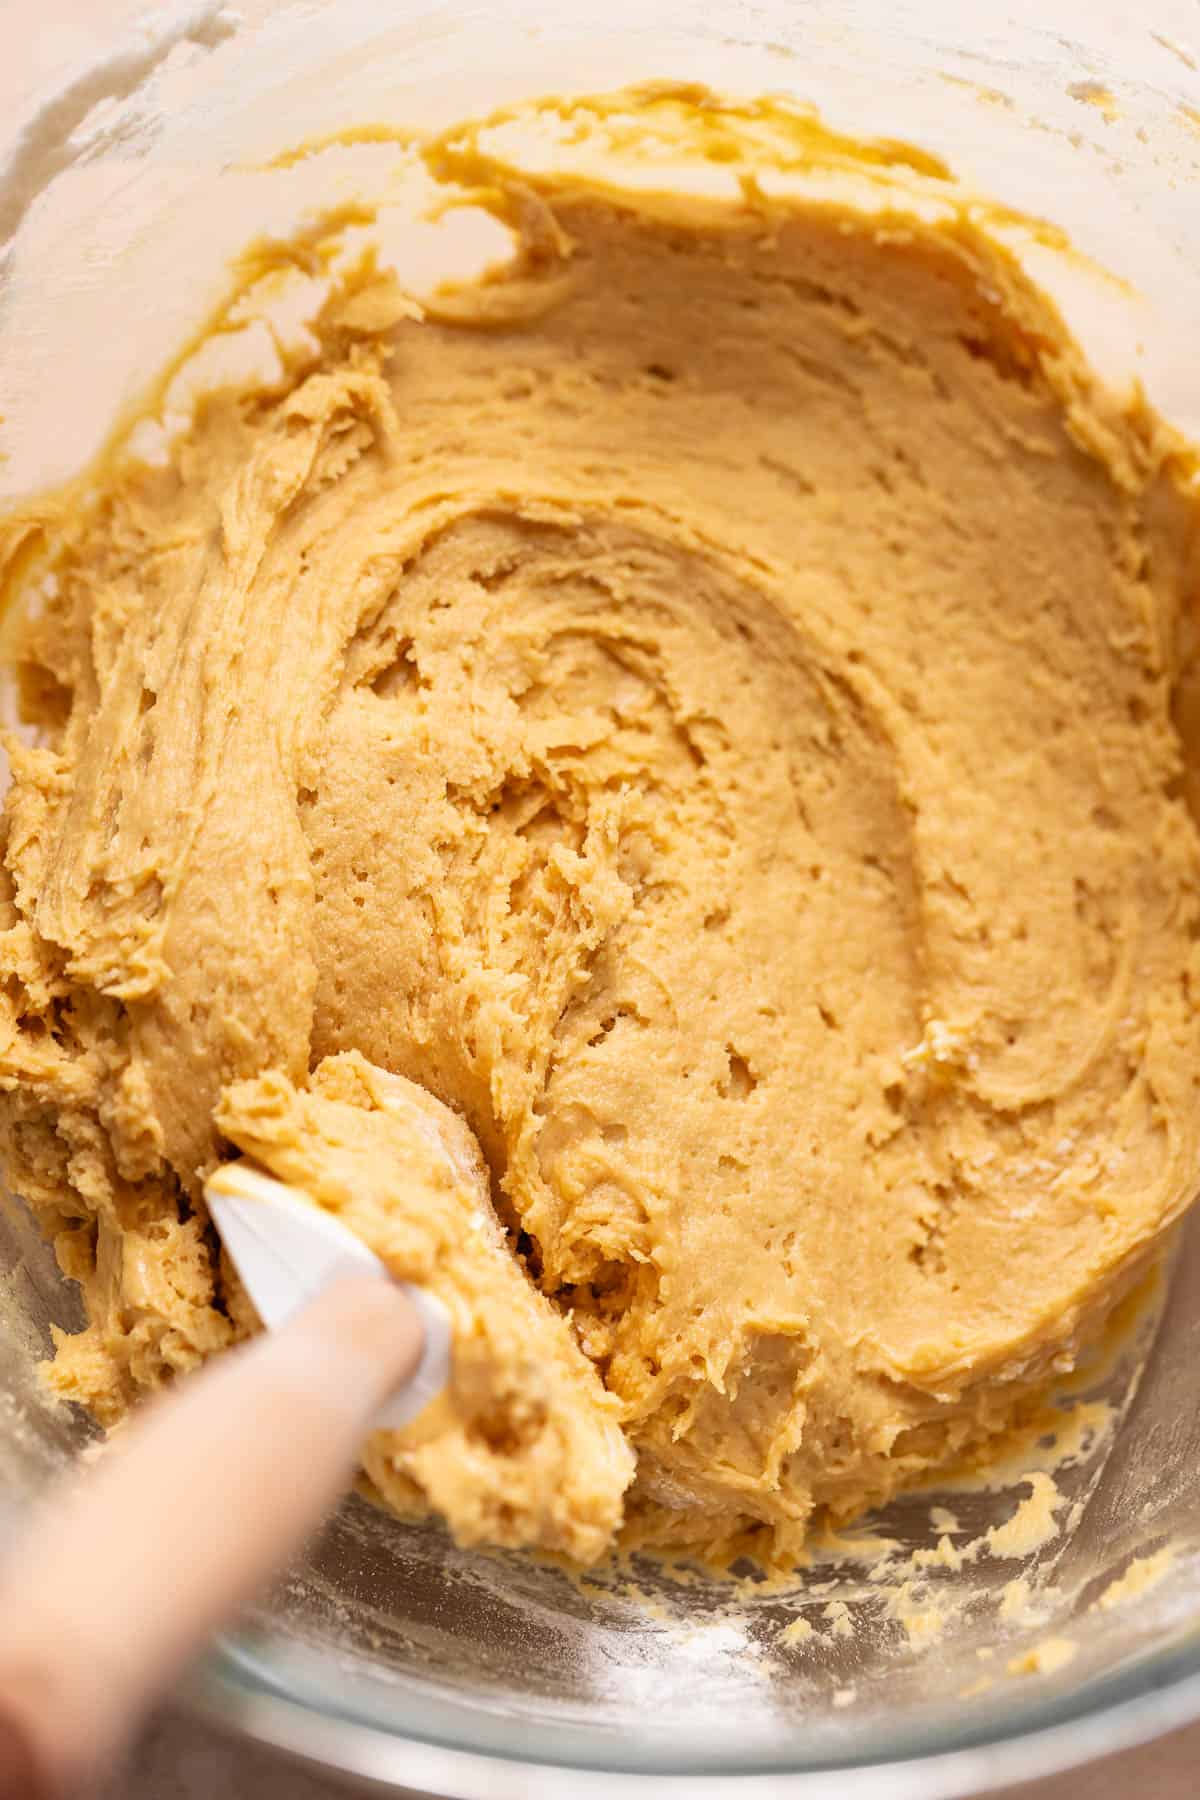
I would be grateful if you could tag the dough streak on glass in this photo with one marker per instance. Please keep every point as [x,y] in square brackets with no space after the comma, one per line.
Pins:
[698,702]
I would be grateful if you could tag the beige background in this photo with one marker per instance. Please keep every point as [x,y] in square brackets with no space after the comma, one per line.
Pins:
[182,1760]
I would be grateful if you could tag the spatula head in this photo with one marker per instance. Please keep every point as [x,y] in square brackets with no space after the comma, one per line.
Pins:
[286,1250]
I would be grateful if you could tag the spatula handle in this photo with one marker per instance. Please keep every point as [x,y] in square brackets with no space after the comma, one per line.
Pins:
[119,1579]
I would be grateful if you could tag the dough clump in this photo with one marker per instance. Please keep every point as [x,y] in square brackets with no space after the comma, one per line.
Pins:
[525,1447]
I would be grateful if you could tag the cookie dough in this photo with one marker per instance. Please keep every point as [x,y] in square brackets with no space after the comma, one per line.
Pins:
[697,699]
[524,1448]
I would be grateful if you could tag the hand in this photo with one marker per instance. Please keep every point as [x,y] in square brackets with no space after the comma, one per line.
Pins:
[128,1567]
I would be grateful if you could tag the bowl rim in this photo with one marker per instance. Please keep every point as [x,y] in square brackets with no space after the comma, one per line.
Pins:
[393,1762]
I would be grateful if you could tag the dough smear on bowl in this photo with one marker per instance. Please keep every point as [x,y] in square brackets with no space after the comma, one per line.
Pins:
[697,699]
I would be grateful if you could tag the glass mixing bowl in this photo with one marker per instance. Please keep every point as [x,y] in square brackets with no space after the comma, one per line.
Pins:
[387,1652]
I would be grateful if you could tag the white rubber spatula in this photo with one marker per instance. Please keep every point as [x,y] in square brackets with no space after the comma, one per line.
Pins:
[120,1577]
[287,1250]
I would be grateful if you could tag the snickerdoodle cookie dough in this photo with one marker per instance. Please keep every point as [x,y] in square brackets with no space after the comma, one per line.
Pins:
[698,700]
[523,1447]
